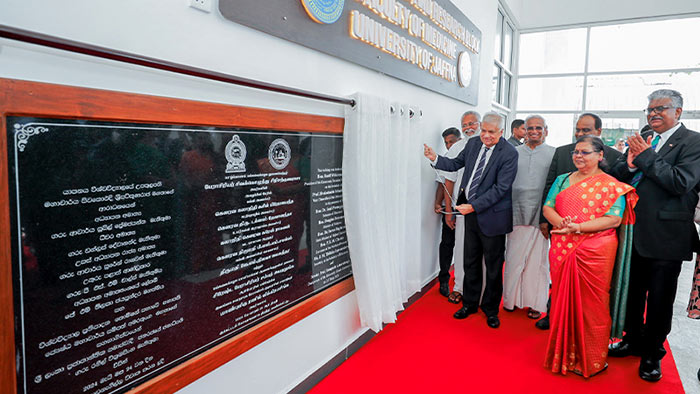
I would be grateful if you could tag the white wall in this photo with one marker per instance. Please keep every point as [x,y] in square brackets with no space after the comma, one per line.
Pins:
[170,30]
[536,14]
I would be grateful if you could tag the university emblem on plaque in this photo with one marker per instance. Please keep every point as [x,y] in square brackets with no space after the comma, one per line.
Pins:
[324,11]
[235,155]
[464,69]
[279,153]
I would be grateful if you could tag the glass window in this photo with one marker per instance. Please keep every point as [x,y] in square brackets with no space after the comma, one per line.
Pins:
[561,51]
[501,80]
[626,63]
[617,128]
[692,124]
[645,46]
[507,46]
[554,93]
[629,92]
[560,127]
[498,43]
[496,84]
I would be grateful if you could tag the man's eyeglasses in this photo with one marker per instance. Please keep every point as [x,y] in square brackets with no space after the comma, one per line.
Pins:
[582,152]
[658,110]
[470,124]
[584,130]
[538,128]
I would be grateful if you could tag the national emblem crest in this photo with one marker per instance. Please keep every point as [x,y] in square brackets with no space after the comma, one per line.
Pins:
[235,155]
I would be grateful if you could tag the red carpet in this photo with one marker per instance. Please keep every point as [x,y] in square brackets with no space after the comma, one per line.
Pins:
[428,351]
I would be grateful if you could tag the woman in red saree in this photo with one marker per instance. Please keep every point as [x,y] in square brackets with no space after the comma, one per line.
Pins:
[584,208]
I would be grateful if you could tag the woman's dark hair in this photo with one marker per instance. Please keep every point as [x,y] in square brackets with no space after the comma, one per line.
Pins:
[598,146]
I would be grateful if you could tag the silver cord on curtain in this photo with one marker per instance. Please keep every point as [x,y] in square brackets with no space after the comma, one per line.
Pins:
[447,193]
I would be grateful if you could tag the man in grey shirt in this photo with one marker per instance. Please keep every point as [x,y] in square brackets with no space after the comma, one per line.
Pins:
[526,274]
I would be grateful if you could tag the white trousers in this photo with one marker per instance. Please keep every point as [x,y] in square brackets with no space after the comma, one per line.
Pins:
[458,254]
[526,273]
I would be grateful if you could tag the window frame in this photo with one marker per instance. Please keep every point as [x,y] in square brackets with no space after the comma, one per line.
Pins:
[509,97]
[690,114]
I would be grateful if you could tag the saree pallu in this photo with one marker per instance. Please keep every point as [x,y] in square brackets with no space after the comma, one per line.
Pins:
[694,302]
[582,269]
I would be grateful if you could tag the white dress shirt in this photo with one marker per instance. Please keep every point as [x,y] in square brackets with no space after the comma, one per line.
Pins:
[664,137]
[476,165]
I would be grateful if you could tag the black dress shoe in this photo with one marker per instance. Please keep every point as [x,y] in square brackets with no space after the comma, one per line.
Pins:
[464,312]
[508,310]
[493,321]
[444,289]
[622,349]
[650,370]
[543,323]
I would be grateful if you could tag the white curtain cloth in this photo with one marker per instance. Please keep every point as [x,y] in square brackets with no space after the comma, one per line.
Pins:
[381,198]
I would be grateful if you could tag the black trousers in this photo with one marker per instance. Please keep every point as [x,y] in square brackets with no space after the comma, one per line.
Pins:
[652,286]
[447,244]
[492,249]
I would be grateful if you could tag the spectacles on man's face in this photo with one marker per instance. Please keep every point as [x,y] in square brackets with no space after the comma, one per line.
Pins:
[582,152]
[470,124]
[538,128]
[585,130]
[658,110]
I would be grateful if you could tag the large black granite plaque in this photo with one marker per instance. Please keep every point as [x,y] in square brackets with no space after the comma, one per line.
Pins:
[136,247]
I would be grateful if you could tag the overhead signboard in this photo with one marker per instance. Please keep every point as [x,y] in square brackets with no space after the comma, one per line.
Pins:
[429,43]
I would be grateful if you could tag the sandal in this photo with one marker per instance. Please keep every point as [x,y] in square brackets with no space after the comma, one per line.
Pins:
[455,297]
[533,314]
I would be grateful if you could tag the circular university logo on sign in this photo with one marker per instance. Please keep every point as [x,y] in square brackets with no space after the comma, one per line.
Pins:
[279,153]
[464,69]
[324,11]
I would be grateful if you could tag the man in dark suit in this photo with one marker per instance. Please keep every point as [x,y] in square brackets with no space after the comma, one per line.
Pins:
[485,199]
[664,165]
[587,124]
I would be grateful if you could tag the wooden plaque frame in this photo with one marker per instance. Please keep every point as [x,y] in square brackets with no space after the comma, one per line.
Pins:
[25,98]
